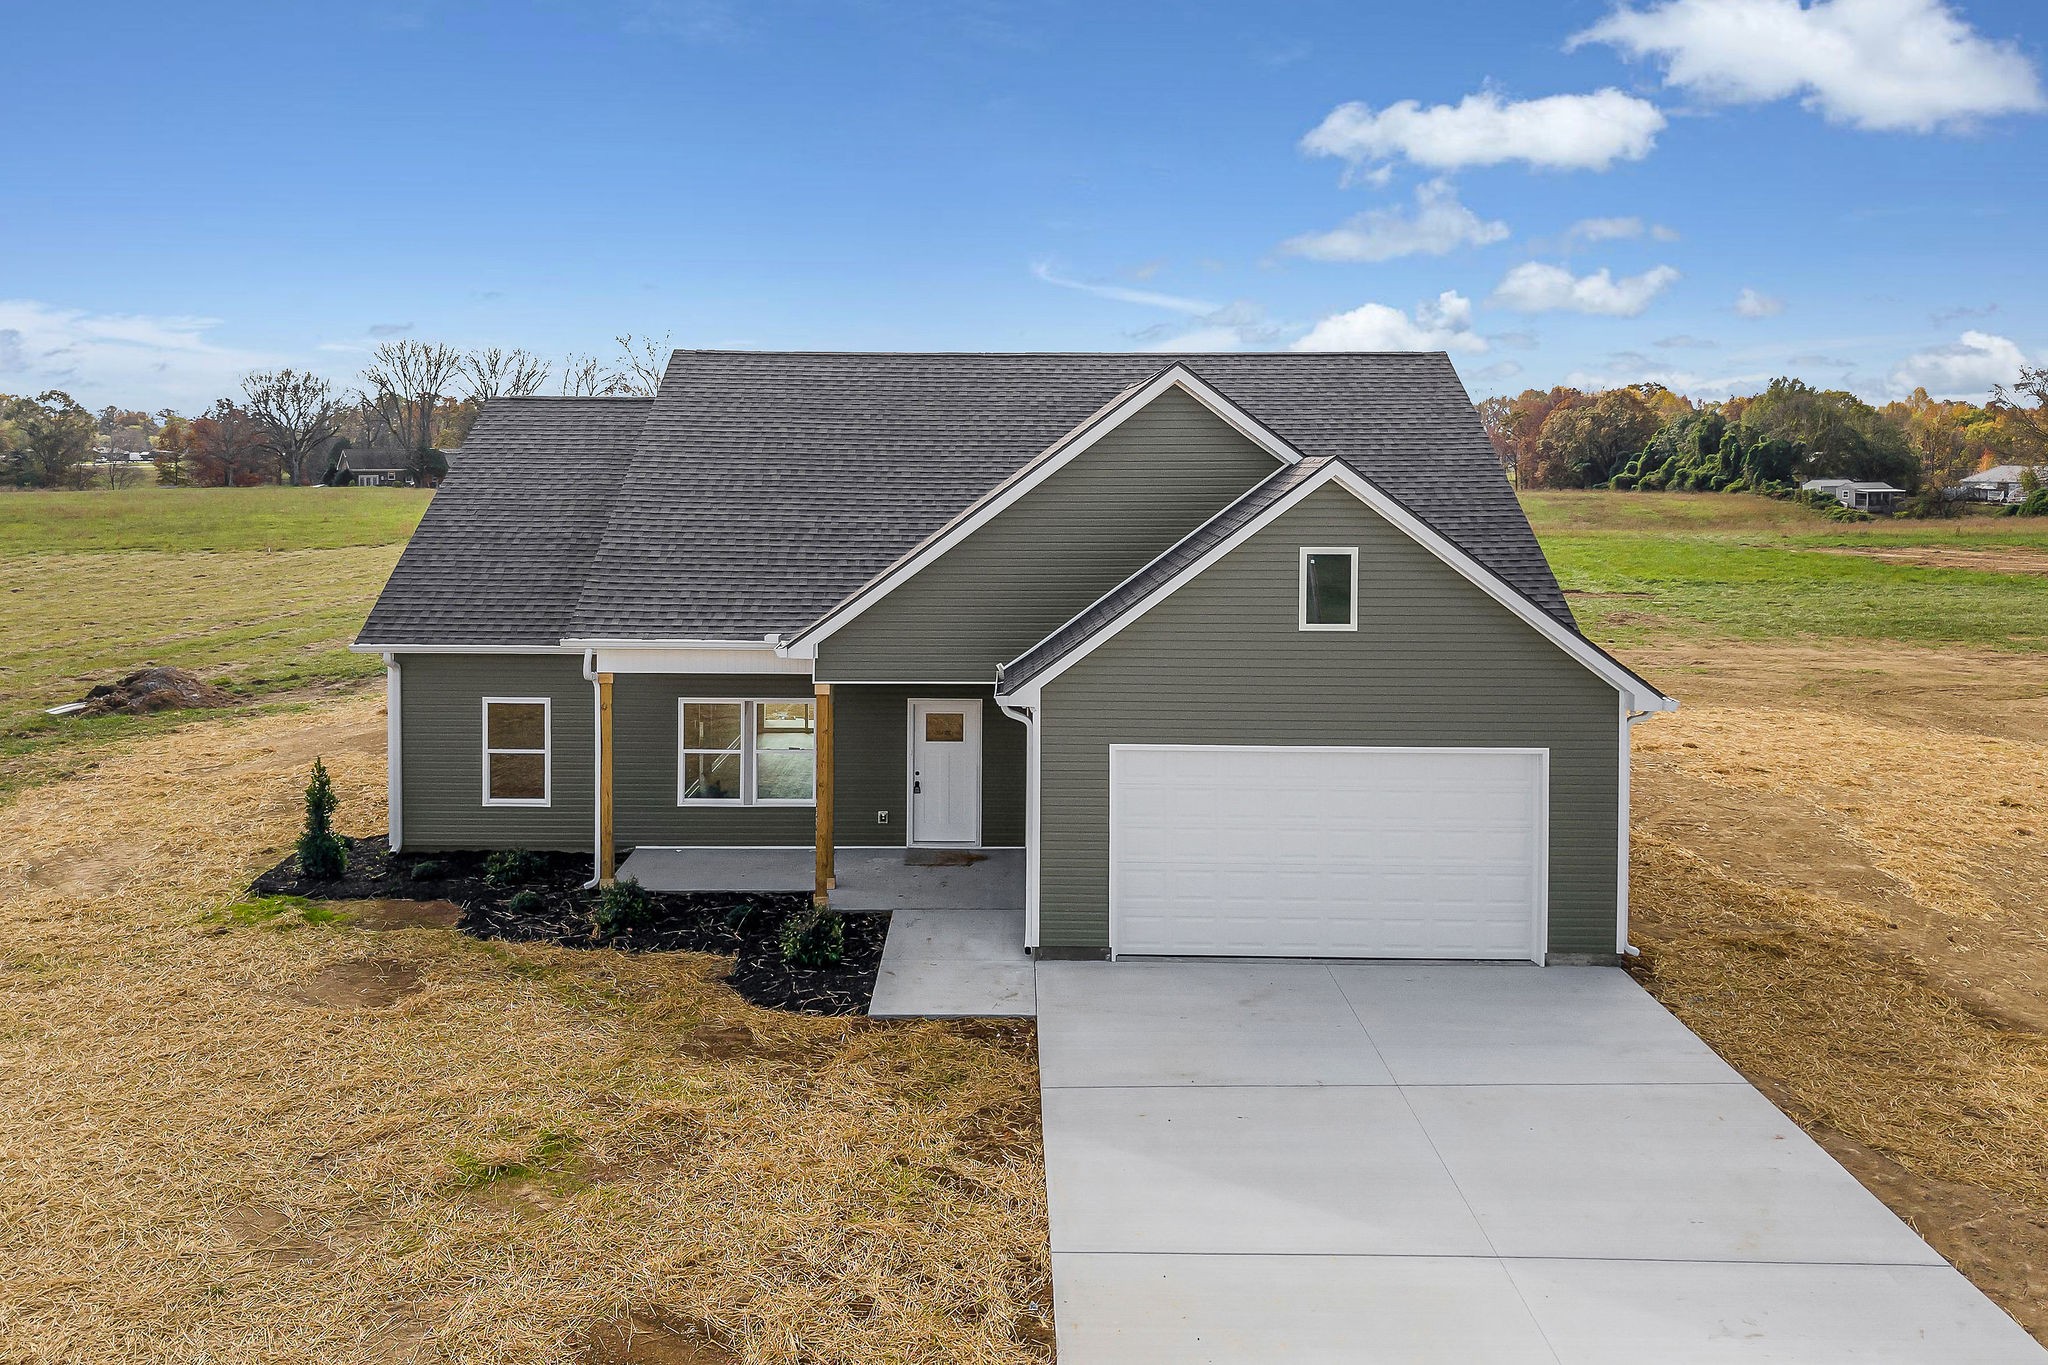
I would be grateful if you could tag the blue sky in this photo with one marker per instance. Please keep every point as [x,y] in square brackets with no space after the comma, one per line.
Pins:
[189,191]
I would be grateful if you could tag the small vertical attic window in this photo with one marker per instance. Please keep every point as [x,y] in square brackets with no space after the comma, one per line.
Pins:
[517,766]
[1329,588]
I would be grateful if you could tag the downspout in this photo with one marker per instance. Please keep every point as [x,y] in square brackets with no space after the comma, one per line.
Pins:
[596,768]
[1628,724]
[394,755]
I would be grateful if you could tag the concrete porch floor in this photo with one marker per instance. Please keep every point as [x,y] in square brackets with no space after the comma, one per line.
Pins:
[869,879]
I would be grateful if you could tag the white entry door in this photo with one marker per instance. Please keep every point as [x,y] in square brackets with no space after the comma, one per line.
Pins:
[1328,852]
[945,772]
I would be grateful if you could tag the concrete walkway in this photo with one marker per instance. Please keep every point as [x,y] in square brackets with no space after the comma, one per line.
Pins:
[1480,1164]
[955,964]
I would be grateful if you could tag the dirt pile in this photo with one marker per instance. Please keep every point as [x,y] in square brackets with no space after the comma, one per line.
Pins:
[152,689]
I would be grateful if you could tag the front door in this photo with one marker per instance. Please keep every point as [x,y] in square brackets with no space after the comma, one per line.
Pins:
[945,772]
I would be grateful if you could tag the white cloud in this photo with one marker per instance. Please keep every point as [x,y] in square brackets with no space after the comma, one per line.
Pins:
[1558,132]
[1533,287]
[1692,383]
[1877,64]
[1147,298]
[1443,325]
[1967,369]
[1750,304]
[1216,338]
[1588,230]
[1439,224]
[131,359]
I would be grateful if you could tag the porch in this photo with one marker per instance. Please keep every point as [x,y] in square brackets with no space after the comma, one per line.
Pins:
[868,879]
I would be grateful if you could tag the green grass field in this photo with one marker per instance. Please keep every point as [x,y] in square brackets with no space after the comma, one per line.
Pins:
[1652,567]
[257,590]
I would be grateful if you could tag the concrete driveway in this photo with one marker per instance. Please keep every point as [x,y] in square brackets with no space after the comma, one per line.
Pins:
[1287,1162]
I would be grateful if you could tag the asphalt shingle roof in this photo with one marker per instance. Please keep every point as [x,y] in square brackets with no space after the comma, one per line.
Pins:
[501,555]
[767,486]
[760,489]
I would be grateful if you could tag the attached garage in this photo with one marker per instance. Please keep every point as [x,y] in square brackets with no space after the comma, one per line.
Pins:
[1307,851]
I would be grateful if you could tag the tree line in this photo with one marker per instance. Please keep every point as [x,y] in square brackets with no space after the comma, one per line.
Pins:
[414,401]
[1643,436]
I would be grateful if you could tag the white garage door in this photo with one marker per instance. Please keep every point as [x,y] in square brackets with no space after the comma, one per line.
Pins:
[1319,852]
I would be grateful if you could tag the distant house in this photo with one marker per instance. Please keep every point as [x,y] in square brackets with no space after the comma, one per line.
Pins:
[2001,483]
[378,466]
[1863,495]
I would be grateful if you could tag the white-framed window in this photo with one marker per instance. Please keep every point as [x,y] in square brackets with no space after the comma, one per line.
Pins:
[518,758]
[1329,587]
[740,751]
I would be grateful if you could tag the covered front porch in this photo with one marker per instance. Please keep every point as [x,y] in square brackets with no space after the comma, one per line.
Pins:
[865,879]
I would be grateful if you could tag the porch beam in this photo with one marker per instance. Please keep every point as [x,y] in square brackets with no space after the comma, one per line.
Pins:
[607,850]
[826,872]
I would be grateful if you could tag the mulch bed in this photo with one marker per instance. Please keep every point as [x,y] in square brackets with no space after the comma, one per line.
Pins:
[743,926]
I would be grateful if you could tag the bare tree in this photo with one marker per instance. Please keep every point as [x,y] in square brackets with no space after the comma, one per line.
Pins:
[496,373]
[405,382]
[584,376]
[2026,427]
[301,418]
[643,362]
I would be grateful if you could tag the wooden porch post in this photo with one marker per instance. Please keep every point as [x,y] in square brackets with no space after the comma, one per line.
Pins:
[826,872]
[607,853]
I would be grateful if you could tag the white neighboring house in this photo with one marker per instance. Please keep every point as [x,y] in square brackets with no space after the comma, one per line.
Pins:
[2000,483]
[1860,494]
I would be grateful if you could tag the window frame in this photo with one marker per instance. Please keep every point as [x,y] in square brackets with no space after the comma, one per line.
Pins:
[546,751]
[749,797]
[1301,606]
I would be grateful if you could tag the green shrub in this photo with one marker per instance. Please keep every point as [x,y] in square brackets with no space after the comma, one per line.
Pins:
[510,866]
[621,906]
[813,937]
[527,902]
[322,855]
[2035,504]
[428,870]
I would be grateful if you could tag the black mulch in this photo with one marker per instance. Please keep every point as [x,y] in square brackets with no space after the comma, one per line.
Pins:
[743,926]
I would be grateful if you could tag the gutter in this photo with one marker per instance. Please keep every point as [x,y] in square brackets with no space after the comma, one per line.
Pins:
[394,755]
[596,768]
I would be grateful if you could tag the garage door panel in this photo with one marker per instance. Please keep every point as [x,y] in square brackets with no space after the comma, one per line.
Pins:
[1328,852]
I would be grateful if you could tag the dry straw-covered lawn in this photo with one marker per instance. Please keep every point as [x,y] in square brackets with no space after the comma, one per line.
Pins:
[1843,886]
[292,1141]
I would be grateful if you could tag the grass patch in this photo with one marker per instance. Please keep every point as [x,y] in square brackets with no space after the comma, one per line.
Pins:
[183,520]
[1730,566]
[259,591]
[550,1150]
[278,911]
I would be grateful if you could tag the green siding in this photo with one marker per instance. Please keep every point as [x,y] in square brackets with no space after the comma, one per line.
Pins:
[1434,662]
[871,734]
[441,734]
[442,702]
[1163,472]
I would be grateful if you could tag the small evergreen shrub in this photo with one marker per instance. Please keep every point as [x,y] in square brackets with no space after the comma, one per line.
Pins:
[813,937]
[322,855]
[428,870]
[510,866]
[621,906]
[527,902]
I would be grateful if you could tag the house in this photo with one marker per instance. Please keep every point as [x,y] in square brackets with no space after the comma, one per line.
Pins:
[1247,654]
[2001,483]
[1863,495]
[382,466]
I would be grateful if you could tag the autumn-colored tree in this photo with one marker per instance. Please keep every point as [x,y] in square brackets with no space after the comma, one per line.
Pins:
[300,417]
[1515,427]
[173,443]
[1843,436]
[228,448]
[1584,443]
[1948,439]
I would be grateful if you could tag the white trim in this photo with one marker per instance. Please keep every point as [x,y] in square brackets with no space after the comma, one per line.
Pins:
[697,659]
[678,642]
[970,705]
[748,754]
[804,644]
[1540,925]
[1640,695]
[598,776]
[394,755]
[362,647]
[843,848]
[1350,552]
[546,751]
